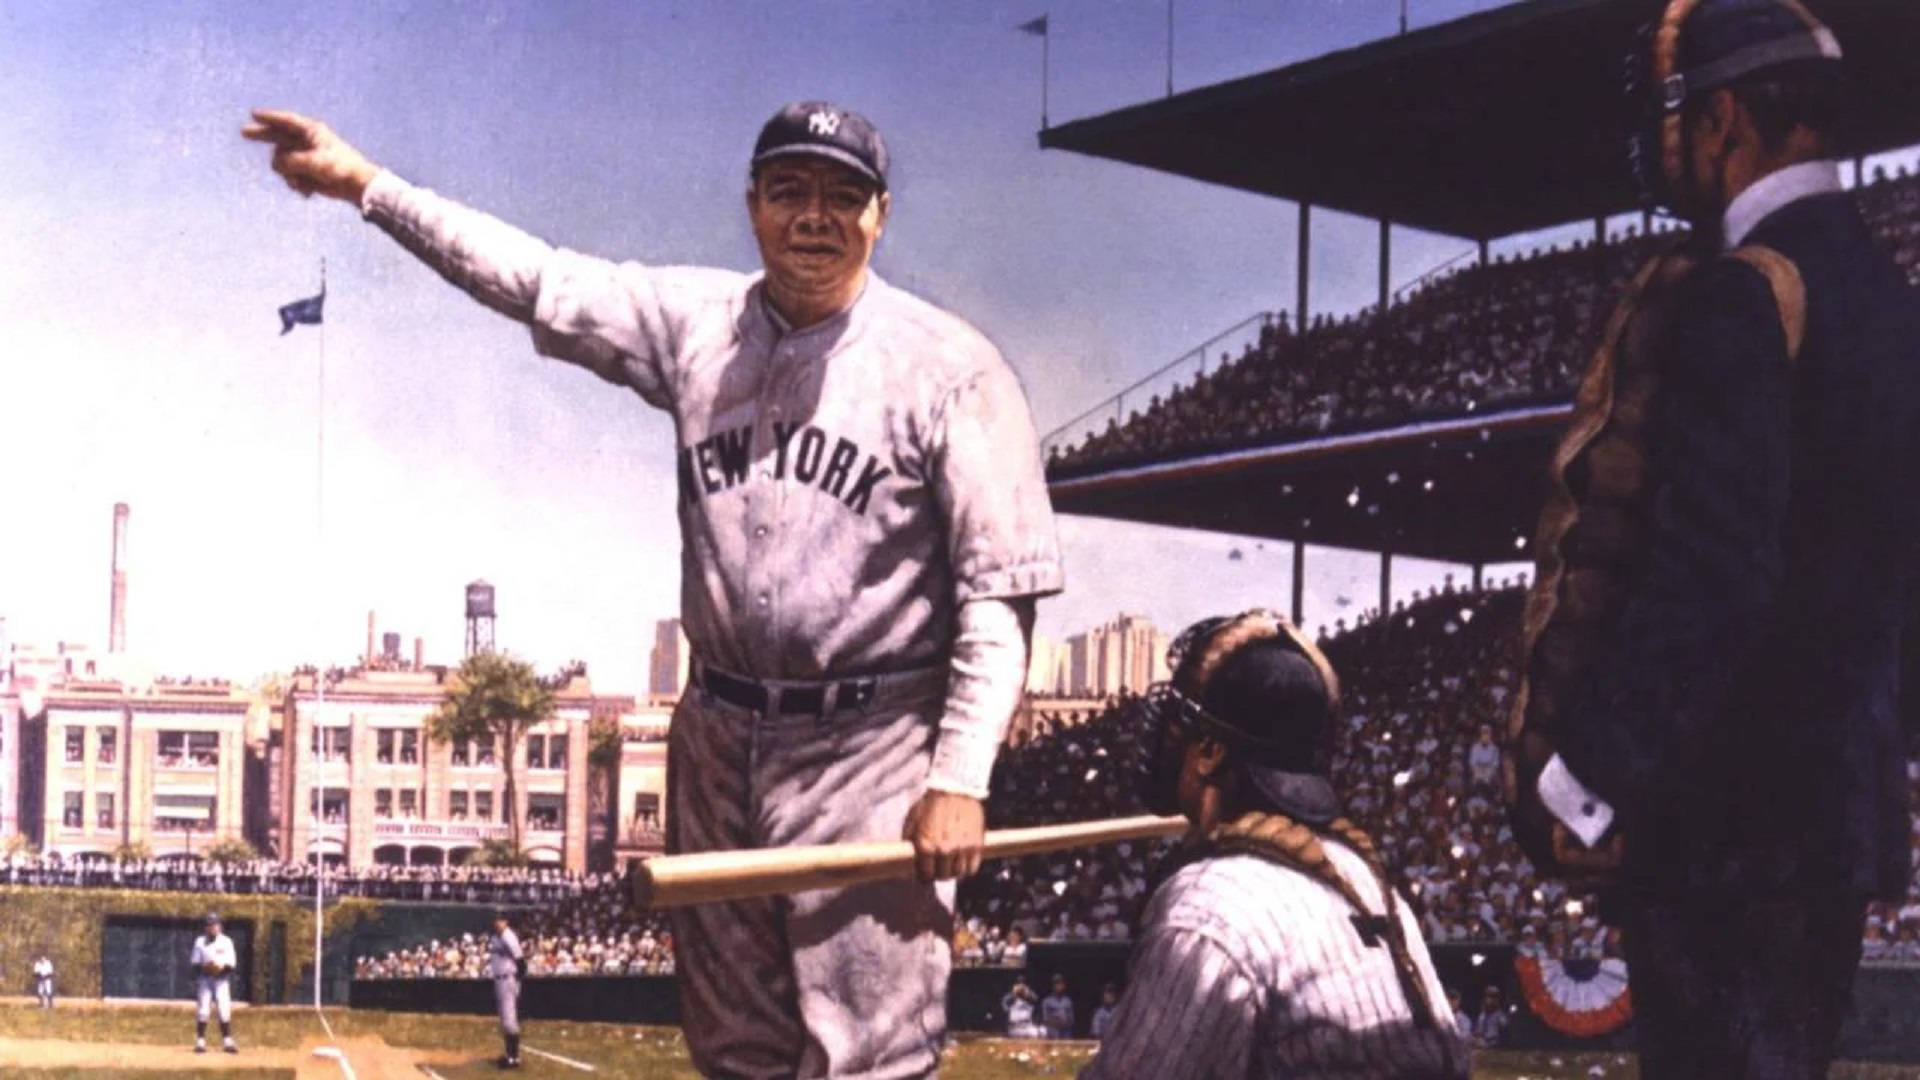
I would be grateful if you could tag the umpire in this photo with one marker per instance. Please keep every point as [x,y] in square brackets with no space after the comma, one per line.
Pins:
[507,963]
[1278,948]
[1741,728]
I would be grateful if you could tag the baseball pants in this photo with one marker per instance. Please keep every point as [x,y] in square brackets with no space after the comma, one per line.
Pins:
[212,992]
[845,982]
[506,1002]
[43,989]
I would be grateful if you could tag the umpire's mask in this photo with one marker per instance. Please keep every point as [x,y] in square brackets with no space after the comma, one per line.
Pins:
[1258,685]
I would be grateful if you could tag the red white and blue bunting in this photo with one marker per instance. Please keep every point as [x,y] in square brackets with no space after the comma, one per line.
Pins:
[1579,996]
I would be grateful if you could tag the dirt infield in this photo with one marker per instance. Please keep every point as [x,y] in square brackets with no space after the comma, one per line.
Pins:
[371,1058]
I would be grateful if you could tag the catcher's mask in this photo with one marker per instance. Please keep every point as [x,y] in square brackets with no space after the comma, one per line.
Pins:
[1697,46]
[1258,685]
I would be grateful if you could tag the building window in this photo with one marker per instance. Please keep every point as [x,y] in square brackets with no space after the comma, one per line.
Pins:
[462,753]
[189,749]
[457,805]
[409,748]
[178,813]
[383,803]
[336,744]
[76,746]
[483,805]
[71,815]
[646,809]
[383,746]
[484,757]
[546,811]
[409,803]
[330,804]
[556,751]
[536,751]
[109,746]
[103,808]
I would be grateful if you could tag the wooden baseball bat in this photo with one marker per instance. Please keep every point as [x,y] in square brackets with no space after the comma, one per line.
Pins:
[668,881]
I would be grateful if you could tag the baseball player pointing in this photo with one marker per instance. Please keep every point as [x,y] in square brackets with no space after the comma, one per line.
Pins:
[213,962]
[864,528]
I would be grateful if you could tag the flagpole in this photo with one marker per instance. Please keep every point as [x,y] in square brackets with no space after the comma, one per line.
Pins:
[1169,48]
[319,671]
[1046,46]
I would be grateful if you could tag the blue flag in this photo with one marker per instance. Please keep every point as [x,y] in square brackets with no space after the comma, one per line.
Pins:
[1037,27]
[301,311]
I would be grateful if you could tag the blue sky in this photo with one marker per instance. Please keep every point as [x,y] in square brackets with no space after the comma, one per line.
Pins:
[142,363]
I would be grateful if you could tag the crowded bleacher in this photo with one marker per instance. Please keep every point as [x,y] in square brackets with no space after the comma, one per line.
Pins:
[593,931]
[1518,330]
[449,884]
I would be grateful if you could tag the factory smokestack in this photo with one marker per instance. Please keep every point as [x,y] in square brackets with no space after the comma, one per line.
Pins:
[117,613]
[419,654]
[367,657]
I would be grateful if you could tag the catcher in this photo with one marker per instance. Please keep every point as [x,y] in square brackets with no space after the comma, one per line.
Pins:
[213,963]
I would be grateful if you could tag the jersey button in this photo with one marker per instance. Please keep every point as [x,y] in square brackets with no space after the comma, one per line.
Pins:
[764,600]
[760,531]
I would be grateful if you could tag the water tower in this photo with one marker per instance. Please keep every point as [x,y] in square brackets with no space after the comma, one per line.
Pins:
[479,617]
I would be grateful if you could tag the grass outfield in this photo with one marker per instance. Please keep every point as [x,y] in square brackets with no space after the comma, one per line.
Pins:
[462,1048]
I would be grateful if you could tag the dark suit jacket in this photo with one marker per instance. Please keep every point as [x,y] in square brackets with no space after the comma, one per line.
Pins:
[1745,718]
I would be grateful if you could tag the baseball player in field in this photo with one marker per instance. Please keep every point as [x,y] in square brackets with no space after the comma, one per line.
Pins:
[1278,947]
[43,981]
[507,964]
[213,961]
[864,528]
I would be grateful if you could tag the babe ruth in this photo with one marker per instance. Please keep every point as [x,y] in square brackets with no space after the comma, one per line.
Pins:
[507,965]
[864,529]
[1278,949]
[213,962]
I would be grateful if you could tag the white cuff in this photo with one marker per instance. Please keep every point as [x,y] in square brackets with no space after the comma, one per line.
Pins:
[989,671]
[1585,814]
[382,192]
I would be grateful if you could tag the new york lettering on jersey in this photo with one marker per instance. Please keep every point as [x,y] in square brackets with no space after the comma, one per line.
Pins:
[800,453]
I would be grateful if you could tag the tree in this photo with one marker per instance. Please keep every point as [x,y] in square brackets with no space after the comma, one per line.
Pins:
[133,851]
[230,850]
[494,698]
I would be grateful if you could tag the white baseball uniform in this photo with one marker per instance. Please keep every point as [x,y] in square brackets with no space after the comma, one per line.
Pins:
[503,964]
[859,499]
[43,981]
[213,990]
[1247,968]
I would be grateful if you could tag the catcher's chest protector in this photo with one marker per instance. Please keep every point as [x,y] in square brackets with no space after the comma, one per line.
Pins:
[1592,530]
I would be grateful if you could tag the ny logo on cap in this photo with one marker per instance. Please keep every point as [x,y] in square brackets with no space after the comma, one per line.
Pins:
[823,123]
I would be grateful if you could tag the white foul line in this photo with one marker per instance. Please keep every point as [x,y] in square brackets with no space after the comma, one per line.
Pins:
[334,1053]
[431,1074]
[581,1065]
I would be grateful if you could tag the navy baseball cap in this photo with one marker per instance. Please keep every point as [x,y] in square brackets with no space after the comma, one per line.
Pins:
[212,919]
[1727,40]
[823,129]
[1270,694]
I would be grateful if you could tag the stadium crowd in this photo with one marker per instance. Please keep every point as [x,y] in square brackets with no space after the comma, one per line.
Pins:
[594,931]
[451,884]
[1514,331]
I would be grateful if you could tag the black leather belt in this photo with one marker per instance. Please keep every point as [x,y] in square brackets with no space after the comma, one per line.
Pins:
[792,699]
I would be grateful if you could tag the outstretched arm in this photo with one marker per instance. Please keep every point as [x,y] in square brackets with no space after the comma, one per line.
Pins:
[618,321]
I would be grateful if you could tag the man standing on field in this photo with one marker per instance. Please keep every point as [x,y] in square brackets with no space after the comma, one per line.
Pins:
[864,529]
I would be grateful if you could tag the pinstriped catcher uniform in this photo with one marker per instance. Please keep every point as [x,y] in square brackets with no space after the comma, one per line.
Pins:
[1278,949]
[847,490]
[1247,968]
